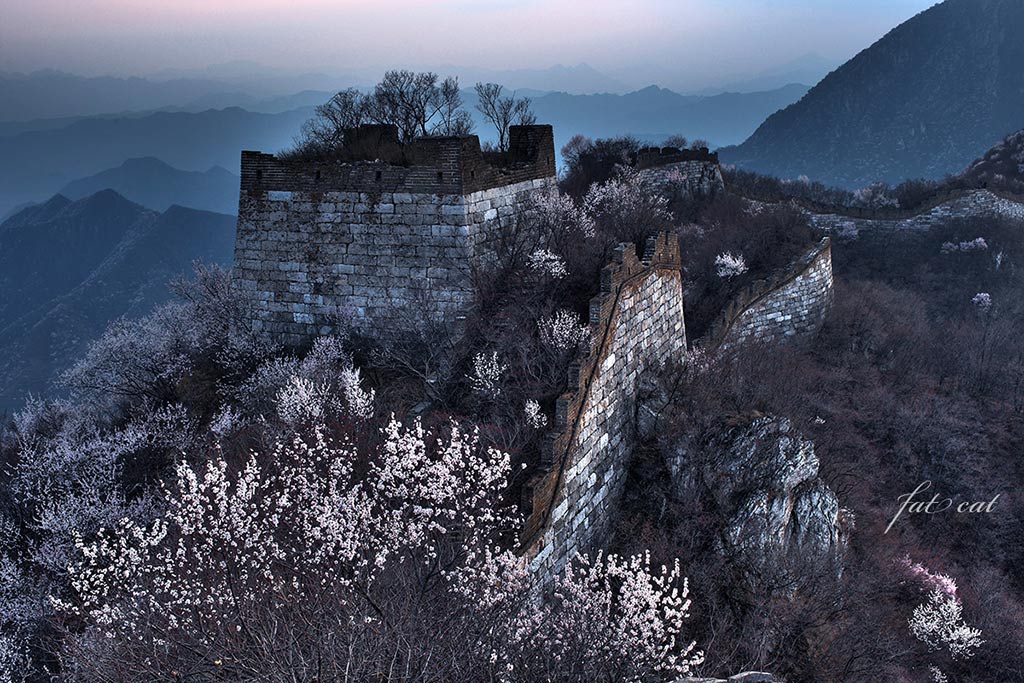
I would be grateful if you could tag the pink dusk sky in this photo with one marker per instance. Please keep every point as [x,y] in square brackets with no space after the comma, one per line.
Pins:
[699,39]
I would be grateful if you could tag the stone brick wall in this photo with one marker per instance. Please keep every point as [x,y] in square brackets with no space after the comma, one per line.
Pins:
[977,204]
[791,305]
[693,173]
[367,242]
[636,324]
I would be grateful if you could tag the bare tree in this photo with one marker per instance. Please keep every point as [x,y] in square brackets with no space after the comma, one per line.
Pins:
[503,112]
[403,99]
[415,103]
[452,119]
[326,130]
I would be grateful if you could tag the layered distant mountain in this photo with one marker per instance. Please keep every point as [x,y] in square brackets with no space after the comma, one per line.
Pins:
[37,164]
[45,157]
[68,268]
[156,185]
[55,94]
[923,101]
[655,113]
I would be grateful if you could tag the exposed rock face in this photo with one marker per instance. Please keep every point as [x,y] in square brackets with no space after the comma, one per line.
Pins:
[778,515]
[768,476]
[745,677]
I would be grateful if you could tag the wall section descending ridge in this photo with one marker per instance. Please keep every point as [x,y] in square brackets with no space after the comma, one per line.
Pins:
[636,325]
[790,306]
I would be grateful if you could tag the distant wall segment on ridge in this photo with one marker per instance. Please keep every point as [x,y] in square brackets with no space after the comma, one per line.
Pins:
[367,242]
[973,204]
[636,325]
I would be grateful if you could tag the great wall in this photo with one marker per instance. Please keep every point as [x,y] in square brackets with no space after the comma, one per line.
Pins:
[319,243]
[322,244]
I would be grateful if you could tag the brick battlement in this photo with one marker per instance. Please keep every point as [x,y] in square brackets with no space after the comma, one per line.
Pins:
[439,165]
[650,157]
[374,243]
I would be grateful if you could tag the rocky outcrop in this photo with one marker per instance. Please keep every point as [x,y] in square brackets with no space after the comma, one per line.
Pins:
[778,516]
[746,677]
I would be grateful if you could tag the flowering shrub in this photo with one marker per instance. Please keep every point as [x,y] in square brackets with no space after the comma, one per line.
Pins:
[534,417]
[983,300]
[977,244]
[144,360]
[626,207]
[323,561]
[487,374]
[609,618]
[556,213]
[939,623]
[323,384]
[563,332]
[548,263]
[730,265]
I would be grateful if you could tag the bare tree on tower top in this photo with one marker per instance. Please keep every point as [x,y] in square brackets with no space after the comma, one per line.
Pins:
[503,112]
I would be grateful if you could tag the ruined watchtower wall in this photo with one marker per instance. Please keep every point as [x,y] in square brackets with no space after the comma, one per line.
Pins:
[636,324]
[371,242]
[693,173]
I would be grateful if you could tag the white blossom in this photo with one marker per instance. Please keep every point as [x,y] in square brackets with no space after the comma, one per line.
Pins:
[983,300]
[534,417]
[938,622]
[563,332]
[729,265]
[488,372]
[358,401]
[548,263]
[552,212]
[977,244]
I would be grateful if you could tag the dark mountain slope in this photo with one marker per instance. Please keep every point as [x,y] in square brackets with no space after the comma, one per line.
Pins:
[137,252]
[923,101]
[156,185]
[1004,163]
[46,250]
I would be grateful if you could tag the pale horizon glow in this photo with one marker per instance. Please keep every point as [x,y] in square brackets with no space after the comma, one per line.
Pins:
[696,42]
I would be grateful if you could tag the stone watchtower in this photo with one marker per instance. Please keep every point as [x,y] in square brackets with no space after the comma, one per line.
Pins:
[694,173]
[384,230]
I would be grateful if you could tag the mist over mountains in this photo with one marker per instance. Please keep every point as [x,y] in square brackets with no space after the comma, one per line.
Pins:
[156,185]
[40,158]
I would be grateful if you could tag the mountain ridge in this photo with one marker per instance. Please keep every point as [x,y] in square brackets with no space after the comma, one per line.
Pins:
[118,257]
[923,101]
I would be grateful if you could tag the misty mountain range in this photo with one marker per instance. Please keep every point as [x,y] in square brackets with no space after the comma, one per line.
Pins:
[69,268]
[41,159]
